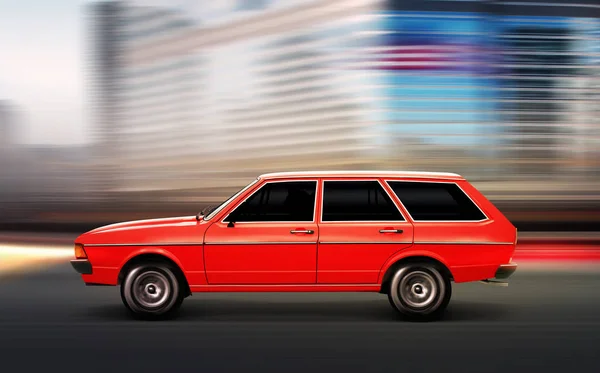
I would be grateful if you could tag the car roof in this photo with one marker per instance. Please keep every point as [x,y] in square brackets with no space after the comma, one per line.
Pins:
[385,174]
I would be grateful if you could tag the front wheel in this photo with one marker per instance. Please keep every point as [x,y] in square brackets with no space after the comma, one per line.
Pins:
[420,291]
[151,291]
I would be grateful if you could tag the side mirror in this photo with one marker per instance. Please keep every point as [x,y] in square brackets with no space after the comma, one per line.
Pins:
[232,218]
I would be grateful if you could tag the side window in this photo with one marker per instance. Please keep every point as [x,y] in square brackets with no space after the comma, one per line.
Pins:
[358,201]
[278,201]
[436,201]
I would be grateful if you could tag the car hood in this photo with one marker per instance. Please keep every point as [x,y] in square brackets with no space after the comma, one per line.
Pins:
[176,230]
[145,223]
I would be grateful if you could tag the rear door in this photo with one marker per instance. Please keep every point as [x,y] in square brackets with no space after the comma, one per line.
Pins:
[360,227]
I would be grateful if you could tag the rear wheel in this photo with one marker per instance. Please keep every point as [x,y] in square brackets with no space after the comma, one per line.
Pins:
[151,291]
[420,291]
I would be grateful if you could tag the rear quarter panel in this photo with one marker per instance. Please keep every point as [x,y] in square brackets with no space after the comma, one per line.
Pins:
[471,250]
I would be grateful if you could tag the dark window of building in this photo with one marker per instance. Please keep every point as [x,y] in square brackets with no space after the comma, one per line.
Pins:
[278,201]
[358,201]
[436,201]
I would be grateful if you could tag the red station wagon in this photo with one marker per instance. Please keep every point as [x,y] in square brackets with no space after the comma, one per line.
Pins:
[404,234]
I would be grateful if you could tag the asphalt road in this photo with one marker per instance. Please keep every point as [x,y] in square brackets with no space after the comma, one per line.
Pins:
[50,321]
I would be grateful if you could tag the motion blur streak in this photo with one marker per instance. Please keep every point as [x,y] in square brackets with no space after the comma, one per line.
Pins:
[36,251]
[186,102]
[15,259]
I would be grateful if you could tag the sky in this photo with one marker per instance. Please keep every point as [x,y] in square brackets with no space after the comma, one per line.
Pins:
[41,69]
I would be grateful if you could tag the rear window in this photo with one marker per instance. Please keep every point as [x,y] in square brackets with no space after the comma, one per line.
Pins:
[436,201]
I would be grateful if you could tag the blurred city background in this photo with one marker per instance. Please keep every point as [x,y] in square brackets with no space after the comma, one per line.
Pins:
[118,110]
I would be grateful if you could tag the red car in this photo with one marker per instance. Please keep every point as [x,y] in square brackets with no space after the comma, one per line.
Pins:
[404,234]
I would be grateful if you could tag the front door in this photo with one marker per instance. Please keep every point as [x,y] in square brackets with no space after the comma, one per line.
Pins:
[270,238]
[360,228]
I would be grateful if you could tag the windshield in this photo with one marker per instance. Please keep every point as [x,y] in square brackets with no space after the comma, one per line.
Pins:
[216,210]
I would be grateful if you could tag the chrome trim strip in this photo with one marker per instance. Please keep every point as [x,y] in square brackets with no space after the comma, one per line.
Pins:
[362,173]
[146,244]
[487,218]
[297,243]
[363,243]
[199,243]
[461,243]
[281,285]
[261,243]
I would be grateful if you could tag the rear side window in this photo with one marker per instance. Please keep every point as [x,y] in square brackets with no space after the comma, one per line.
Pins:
[358,201]
[436,201]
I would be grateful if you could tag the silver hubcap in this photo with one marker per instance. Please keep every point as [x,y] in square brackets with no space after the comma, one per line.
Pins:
[151,289]
[418,289]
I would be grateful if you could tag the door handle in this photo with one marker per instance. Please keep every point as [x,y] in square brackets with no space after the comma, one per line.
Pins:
[307,231]
[391,231]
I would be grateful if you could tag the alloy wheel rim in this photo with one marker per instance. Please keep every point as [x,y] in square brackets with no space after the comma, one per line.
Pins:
[418,289]
[151,289]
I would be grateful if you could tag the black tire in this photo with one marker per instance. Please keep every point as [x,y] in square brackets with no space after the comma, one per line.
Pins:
[420,291]
[151,291]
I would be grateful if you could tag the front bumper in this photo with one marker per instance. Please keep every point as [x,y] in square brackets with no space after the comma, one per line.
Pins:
[82,266]
[505,270]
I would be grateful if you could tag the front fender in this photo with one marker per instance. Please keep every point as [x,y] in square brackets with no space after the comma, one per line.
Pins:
[151,250]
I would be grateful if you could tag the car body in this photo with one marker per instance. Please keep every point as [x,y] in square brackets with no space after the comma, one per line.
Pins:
[405,234]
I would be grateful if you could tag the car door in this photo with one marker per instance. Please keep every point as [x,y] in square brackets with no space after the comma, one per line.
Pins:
[360,227]
[270,238]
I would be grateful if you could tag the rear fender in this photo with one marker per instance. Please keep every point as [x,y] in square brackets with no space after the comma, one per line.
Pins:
[408,254]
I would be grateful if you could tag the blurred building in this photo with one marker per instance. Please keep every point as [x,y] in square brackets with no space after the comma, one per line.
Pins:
[229,106]
[490,89]
[136,112]
[7,124]
[497,81]
[53,174]
[104,64]
[11,156]
[34,177]
[7,155]
[300,116]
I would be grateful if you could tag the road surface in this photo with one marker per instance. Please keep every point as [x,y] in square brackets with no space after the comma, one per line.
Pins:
[50,321]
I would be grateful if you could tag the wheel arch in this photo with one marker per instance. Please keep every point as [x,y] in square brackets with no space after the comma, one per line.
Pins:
[395,263]
[155,256]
